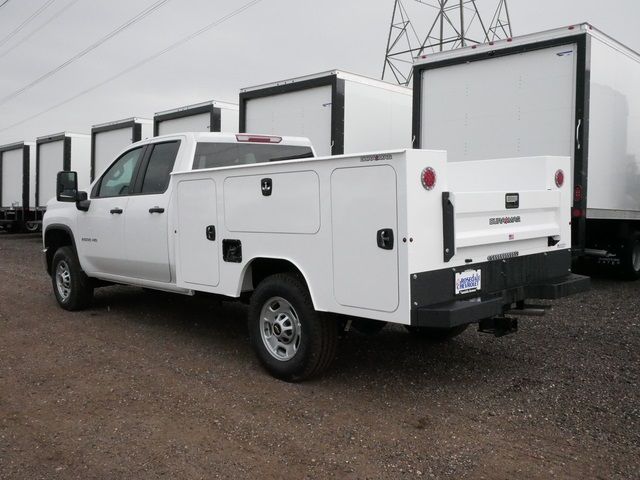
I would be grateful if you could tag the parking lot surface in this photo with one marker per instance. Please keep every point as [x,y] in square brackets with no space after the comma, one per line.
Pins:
[154,385]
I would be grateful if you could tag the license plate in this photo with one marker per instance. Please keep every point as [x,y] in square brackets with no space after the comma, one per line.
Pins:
[468,281]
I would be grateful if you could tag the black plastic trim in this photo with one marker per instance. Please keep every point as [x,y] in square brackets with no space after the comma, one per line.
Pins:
[337,104]
[448,227]
[65,228]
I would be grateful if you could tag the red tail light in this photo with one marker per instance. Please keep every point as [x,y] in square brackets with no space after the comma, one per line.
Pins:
[559,178]
[258,138]
[577,193]
[428,178]
[577,212]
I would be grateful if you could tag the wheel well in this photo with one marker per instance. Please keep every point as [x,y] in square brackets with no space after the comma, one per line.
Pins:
[55,238]
[261,268]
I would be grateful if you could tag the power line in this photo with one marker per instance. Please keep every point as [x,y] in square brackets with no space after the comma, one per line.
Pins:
[171,47]
[26,22]
[24,39]
[4,3]
[91,47]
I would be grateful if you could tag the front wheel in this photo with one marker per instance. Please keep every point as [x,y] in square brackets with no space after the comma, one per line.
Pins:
[437,334]
[292,341]
[71,286]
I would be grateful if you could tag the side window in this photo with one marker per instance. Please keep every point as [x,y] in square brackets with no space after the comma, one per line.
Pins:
[156,178]
[117,180]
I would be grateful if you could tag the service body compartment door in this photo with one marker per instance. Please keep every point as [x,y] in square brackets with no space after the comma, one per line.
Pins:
[198,243]
[364,222]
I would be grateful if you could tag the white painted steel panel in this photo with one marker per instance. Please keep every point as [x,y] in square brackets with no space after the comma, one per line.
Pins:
[197,256]
[305,113]
[292,207]
[512,106]
[614,126]
[107,145]
[12,178]
[146,129]
[192,123]
[81,159]
[50,161]
[229,120]
[376,118]
[363,201]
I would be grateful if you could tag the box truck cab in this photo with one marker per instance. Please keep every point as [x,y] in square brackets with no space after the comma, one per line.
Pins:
[571,91]
[317,244]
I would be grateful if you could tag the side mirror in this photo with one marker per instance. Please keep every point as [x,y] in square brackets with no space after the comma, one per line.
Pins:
[67,187]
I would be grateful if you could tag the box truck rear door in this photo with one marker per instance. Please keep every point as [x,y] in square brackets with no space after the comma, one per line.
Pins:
[12,178]
[505,106]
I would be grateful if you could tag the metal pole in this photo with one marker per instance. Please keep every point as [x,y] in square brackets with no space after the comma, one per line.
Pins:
[462,32]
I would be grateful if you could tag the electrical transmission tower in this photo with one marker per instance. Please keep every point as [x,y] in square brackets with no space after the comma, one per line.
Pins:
[452,24]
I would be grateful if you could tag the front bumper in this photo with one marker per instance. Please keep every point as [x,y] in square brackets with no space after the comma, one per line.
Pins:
[504,282]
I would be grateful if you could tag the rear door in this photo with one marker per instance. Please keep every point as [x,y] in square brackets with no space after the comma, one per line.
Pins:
[516,105]
[146,227]
[364,229]
[11,178]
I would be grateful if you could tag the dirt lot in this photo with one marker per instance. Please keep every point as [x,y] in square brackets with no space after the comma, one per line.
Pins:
[148,385]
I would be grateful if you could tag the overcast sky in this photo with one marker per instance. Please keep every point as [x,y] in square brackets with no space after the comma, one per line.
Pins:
[272,40]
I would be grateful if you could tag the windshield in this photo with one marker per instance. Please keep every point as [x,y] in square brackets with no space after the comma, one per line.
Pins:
[212,155]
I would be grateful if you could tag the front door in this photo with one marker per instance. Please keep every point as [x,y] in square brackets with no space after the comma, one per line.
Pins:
[101,228]
[146,227]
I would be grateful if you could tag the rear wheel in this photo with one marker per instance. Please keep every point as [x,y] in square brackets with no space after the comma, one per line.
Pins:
[630,258]
[437,334]
[292,341]
[32,227]
[71,286]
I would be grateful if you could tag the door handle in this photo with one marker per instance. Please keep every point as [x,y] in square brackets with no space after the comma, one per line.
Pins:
[211,232]
[385,238]
[156,210]
[115,210]
[578,133]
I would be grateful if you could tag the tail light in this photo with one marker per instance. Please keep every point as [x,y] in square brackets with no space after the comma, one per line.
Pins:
[559,178]
[258,138]
[428,178]
[577,212]
[577,194]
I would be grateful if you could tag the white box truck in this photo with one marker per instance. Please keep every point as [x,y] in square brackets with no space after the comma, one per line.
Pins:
[318,244]
[339,112]
[572,91]
[210,116]
[59,152]
[107,139]
[17,195]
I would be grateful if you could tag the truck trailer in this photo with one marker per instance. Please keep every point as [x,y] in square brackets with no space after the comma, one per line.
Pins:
[107,139]
[211,116]
[339,112]
[17,193]
[570,91]
[315,245]
[59,152]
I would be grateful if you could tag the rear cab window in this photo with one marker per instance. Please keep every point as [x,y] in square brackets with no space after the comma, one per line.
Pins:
[213,155]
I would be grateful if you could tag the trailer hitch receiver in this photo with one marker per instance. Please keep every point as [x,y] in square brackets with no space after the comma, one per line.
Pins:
[498,326]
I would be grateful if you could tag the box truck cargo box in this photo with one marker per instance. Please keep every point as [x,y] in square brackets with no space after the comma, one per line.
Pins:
[16,195]
[108,139]
[212,116]
[54,153]
[340,112]
[571,91]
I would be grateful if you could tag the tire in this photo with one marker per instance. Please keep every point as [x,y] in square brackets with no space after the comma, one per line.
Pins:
[32,228]
[292,341]
[437,335]
[368,327]
[71,286]
[630,258]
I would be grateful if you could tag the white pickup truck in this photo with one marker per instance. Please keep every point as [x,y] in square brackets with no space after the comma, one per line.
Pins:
[318,244]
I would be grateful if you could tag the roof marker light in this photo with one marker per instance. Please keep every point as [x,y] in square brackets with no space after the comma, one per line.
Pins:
[258,138]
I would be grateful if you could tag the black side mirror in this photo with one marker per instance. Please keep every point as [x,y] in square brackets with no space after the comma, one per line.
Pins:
[67,187]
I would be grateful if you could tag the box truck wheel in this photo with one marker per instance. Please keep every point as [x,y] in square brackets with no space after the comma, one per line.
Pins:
[32,227]
[437,334]
[630,258]
[71,286]
[292,341]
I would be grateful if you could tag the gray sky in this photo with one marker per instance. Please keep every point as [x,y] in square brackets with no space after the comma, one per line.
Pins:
[272,40]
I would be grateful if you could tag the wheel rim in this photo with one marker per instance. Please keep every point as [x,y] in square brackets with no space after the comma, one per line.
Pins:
[280,328]
[635,257]
[63,280]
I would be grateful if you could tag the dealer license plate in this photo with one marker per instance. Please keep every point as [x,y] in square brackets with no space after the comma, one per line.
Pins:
[468,281]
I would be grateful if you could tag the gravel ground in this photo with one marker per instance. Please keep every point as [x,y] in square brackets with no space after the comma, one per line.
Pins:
[149,385]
